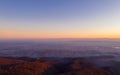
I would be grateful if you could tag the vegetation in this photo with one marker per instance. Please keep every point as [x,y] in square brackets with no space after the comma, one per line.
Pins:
[39,67]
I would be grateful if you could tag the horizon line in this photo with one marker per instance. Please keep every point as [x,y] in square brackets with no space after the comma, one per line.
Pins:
[55,38]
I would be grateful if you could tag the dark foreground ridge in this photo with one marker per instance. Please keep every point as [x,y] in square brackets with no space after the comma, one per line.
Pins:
[56,66]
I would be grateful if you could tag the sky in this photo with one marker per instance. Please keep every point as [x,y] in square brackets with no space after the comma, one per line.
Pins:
[34,19]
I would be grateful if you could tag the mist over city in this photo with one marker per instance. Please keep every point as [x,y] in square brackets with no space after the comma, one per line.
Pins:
[59,37]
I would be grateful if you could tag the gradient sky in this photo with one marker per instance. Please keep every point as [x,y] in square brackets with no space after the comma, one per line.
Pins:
[59,19]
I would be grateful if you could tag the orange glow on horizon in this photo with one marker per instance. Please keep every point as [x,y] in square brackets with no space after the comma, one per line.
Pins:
[32,35]
[15,35]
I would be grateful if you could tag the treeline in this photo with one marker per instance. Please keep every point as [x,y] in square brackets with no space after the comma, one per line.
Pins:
[27,66]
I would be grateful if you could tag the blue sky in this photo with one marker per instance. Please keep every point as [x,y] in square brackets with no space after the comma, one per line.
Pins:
[59,18]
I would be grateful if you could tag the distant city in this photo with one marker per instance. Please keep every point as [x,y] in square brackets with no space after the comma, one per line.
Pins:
[60,48]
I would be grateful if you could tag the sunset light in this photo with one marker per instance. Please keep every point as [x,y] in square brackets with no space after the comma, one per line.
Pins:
[59,19]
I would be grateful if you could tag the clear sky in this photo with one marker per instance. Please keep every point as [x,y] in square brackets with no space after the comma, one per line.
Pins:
[59,19]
